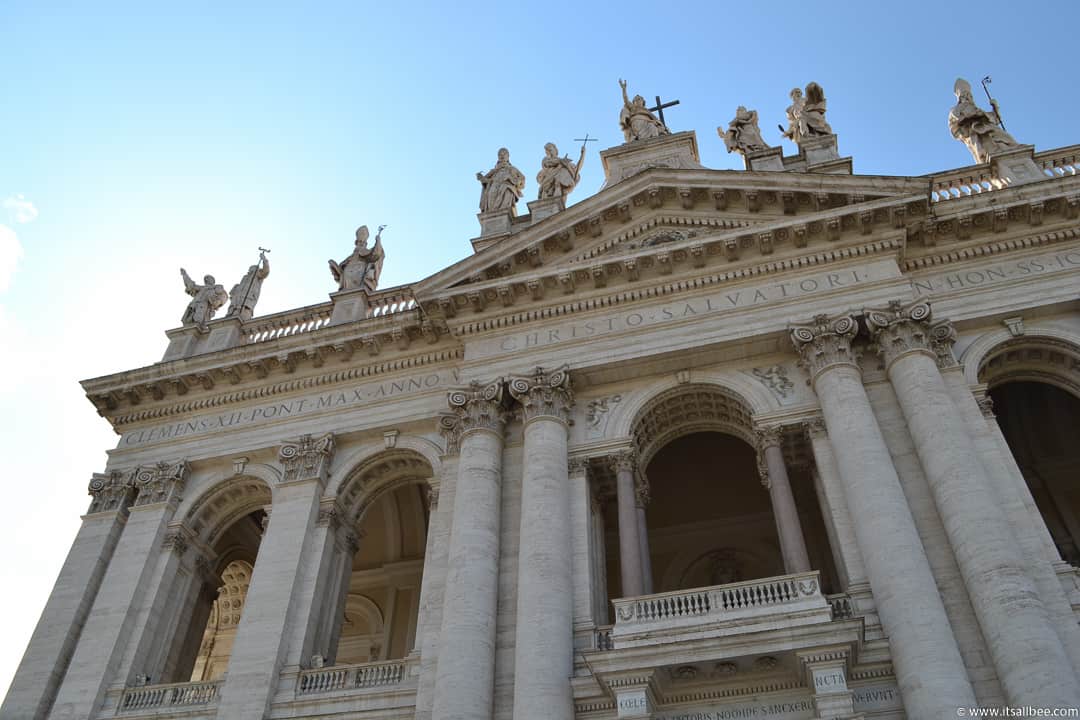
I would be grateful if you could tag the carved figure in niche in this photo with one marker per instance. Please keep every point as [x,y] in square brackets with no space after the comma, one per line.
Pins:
[743,135]
[775,378]
[245,294]
[363,267]
[806,115]
[636,121]
[502,185]
[558,176]
[205,299]
[978,129]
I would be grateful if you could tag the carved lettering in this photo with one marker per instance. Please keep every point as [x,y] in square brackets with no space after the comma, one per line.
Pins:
[1017,270]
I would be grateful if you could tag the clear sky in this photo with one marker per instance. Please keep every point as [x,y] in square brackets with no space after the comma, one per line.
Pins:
[142,137]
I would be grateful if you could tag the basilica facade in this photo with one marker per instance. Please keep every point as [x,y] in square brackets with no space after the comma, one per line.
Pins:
[788,442]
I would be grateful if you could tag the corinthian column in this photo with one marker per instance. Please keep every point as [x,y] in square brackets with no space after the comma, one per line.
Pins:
[464,681]
[775,479]
[1028,654]
[544,647]
[623,463]
[929,669]
[641,501]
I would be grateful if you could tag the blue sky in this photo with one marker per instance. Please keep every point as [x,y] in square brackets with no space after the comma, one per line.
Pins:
[141,139]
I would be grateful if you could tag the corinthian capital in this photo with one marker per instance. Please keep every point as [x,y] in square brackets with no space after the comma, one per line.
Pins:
[544,394]
[825,343]
[111,491]
[901,328]
[162,482]
[770,436]
[308,458]
[478,407]
[623,461]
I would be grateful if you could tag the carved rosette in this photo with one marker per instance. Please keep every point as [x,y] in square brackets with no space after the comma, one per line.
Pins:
[307,459]
[901,329]
[826,343]
[112,491]
[478,407]
[544,394]
[162,482]
[623,461]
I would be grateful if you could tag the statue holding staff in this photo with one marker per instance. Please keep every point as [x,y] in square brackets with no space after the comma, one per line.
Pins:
[363,267]
[205,300]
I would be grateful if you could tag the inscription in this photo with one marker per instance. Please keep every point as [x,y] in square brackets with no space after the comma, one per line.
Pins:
[786,709]
[964,279]
[335,399]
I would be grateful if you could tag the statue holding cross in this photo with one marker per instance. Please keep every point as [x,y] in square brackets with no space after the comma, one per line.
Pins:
[637,121]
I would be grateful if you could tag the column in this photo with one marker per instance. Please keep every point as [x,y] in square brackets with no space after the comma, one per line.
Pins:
[46,659]
[641,501]
[624,464]
[273,598]
[775,479]
[544,641]
[582,542]
[465,679]
[1028,655]
[108,629]
[929,669]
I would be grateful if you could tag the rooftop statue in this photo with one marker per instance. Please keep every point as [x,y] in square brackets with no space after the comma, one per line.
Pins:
[245,294]
[205,299]
[976,128]
[362,268]
[636,121]
[502,185]
[806,115]
[558,176]
[743,135]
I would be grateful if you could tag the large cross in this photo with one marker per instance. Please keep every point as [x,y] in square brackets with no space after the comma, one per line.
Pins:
[659,109]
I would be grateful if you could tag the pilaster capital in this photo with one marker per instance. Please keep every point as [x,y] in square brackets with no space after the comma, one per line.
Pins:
[815,428]
[763,468]
[158,483]
[642,494]
[986,406]
[577,466]
[111,491]
[768,436]
[825,343]
[307,458]
[450,429]
[432,495]
[902,328]
[623,461]
[330,514]
[545,394]
[176,540]
[478,407]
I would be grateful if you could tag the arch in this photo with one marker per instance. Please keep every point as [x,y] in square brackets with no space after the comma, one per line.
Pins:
[1049,359]
[345,464]
[381,473]
[363,606]
[991,345]
[223,503]
[689,408]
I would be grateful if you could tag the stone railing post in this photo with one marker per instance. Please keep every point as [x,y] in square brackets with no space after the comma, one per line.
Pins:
[276,593]
[624,464]
[544,644]
[1028,654]
[110,625]
[39,673]
[929,669]
[774,477]
[465,678]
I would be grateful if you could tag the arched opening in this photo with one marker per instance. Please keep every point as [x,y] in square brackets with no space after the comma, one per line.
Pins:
[1035,387]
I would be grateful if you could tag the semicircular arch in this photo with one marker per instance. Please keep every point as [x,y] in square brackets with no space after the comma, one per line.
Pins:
[1051,358]
[213,511]
[379,474]
[345,465]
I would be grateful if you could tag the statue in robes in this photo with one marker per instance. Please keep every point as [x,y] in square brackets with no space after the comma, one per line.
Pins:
[636,121]
[806,115]
[245,294]
[502,186]
[743,135]
[980,130]
[363,267]
[558,175]
[205,300]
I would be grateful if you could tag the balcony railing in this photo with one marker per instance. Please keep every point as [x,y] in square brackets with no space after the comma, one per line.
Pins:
[692,610]
[348,677]
[153,697]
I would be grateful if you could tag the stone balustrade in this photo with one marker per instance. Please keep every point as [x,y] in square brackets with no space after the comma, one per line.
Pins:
[154,697]
[842,606]
[284,324]
[350,677]
[390,301]
[602,638]
[726,609]
[978,179]
[1061,162]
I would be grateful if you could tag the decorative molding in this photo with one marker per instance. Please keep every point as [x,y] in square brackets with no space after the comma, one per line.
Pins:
[479,407]
[904,328]
[544,394]
[307,459]
[176,541]
[825,343]
[642,494]
[330,513]
[162,482]
[112,491]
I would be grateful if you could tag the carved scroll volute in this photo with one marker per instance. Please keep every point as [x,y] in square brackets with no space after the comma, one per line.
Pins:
[544,394]
[902,328]
[112,491]
[307,459]
[825,343]
[478,407]
[159,483]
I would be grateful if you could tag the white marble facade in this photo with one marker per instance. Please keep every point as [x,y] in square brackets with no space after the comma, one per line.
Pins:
[465,504]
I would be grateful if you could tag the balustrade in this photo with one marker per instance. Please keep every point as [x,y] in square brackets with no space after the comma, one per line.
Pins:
[152,697]
[291,322]
[348,677]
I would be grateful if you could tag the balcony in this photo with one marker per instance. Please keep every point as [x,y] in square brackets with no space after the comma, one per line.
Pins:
[167,699]
[349,677]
